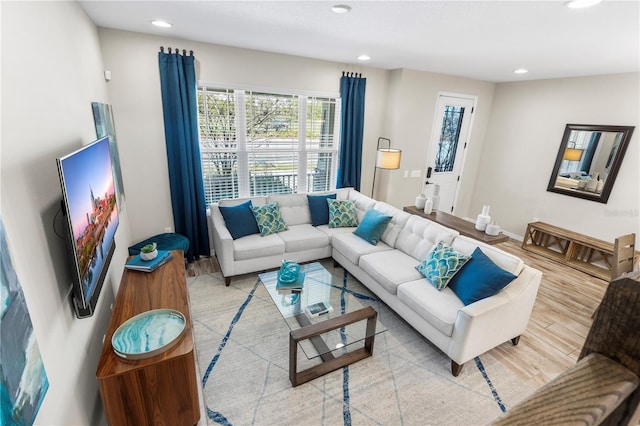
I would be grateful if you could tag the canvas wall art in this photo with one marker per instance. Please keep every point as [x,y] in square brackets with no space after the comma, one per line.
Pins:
[23,379]
[103,117]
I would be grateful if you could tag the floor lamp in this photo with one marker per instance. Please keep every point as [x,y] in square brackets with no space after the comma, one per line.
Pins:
[386,158]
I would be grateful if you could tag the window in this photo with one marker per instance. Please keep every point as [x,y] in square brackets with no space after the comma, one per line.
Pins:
[254,143]
[449,137]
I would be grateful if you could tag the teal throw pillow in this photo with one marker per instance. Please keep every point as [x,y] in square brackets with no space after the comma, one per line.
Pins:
[319,208]
[372,226]
[441,265]
[239,219]
[479,278]
[342,214]
[269,219]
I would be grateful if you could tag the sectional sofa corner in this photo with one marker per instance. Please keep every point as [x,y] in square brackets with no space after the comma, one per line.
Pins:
[388,269]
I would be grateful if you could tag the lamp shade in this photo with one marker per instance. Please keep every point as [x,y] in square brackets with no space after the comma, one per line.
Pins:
[388,158]
[572,154]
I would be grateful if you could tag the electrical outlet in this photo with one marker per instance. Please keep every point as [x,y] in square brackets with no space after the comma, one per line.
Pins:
[168,229]
[416,173]
[406,173]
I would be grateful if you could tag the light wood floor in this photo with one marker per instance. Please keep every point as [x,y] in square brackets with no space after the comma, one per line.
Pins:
[559,323]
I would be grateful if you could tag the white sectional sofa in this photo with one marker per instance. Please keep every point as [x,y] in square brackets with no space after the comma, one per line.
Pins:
[388,269]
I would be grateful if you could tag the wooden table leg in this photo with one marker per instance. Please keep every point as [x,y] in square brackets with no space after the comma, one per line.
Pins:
[330,363]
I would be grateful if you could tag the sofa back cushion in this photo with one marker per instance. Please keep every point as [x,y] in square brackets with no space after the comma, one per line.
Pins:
[501,258]
[418,236]
[256,201]
[294,208]
[398,220]
[363,203]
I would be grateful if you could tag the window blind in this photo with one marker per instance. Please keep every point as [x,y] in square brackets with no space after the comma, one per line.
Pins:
[255,143]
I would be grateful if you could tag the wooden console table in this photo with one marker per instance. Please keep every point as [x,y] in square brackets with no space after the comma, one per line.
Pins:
[577,250]
[163,389]
[464,227]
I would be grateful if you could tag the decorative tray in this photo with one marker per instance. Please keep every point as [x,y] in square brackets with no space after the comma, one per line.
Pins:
[148,334]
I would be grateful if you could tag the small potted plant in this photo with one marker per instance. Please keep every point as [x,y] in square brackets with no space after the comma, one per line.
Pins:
[149,252]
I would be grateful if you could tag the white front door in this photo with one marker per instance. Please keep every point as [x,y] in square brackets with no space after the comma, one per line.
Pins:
[447,147]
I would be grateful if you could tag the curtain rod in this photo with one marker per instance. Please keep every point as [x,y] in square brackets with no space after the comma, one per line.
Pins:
[184,51]
[353,74]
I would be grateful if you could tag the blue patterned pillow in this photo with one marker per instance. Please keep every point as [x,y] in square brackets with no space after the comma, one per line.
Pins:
[342,214]
[269,219]
[372,226]
[441,265]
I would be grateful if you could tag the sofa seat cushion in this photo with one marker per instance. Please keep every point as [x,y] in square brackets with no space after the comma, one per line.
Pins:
[330,232]
[390,268]
[352,247]
[438,308]
[254,246]
[303,237]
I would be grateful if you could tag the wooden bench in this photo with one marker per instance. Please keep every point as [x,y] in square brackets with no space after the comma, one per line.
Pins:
[581,252]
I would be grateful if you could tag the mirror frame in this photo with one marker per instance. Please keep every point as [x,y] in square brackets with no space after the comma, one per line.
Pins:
[603,197]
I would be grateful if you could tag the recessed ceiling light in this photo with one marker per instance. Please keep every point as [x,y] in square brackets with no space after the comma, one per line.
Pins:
[341,8]
[580,4]
[521,71]
[364,57]
[161,24]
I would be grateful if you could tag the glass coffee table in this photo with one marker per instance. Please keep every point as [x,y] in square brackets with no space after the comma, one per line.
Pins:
[335,337]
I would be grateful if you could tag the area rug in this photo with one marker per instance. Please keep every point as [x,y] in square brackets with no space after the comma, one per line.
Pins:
[242,349]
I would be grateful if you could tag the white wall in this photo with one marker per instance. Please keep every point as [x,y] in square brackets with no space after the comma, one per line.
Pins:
[52,71]
[512,120]
[135,94]
[413,96]
[522,141]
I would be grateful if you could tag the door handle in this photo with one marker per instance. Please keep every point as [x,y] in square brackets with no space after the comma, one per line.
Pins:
[429,170]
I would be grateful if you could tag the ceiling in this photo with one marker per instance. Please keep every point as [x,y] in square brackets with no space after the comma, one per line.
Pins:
[484,40]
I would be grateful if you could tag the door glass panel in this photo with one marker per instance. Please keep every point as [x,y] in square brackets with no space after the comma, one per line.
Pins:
[449,135]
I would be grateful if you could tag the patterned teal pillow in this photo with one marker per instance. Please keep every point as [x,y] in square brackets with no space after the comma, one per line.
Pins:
[342,214]
[269,219]
[441,265]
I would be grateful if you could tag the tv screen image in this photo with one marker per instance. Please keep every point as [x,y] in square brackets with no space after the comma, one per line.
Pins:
[89,199]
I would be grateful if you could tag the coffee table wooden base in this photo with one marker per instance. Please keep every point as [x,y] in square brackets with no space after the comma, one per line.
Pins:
[330,362]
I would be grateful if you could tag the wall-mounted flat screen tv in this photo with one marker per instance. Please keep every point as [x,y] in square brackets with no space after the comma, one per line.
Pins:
[89,204]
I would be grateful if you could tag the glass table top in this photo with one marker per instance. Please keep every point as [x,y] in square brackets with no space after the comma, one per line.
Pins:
[343,292]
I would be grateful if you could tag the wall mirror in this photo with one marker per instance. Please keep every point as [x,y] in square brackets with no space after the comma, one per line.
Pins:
[588,160]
